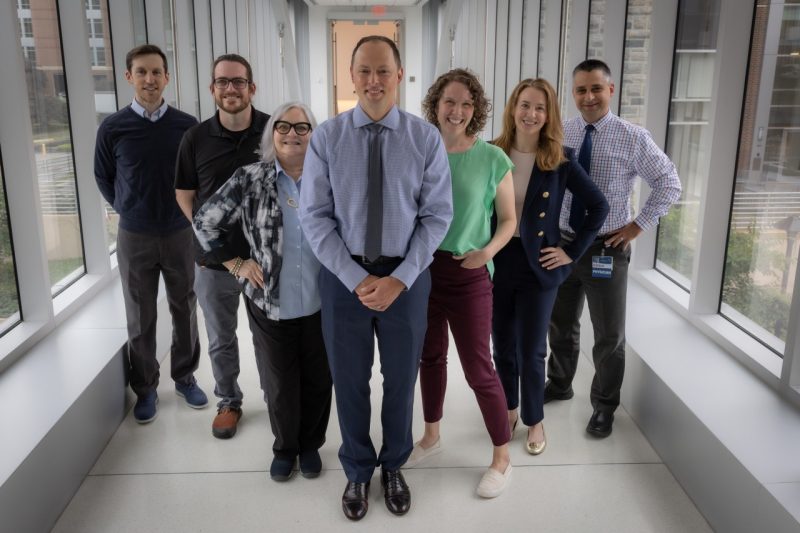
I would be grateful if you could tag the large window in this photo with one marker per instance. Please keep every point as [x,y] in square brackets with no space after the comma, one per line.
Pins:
[689,133]
[105,94]
[764,234]
[9,298]
[52,141]
[636,61]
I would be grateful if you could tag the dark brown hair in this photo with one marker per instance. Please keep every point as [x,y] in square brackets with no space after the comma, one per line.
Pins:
[144,50]
[235,58]
[482,106]
[550,152]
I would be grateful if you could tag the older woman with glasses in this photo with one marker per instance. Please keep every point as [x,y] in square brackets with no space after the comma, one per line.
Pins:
[280,282]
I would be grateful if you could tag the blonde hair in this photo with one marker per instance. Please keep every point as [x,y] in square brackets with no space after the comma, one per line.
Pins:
[550,152]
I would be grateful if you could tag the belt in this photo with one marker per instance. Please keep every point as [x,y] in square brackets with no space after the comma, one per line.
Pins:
[571,236]
[381,260]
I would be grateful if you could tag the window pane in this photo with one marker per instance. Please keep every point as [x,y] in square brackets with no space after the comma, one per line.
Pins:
[636,61]
[170,93]
[139,22]
[597,19]
[47,97]
[9,298]
[568,31]
[763,239]
[105,93]
[688,134]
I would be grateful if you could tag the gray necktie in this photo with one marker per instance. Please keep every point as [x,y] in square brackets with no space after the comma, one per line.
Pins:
[372,243]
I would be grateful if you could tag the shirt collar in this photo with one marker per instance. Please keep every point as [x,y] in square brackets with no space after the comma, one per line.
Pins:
[391,120]
[142,112]
[283,175]
[256,127]
[600,124]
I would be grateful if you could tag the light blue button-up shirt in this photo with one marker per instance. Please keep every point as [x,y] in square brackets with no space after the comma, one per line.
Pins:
[152,117]
[300,269]
[417,195]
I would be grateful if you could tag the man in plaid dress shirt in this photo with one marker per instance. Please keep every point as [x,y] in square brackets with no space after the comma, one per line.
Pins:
[620,151]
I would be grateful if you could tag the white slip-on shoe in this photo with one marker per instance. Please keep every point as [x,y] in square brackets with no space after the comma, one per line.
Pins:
[419,454]
[493,483]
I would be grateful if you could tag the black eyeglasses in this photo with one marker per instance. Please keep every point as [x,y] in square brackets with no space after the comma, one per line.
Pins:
[238,83]
[300,128]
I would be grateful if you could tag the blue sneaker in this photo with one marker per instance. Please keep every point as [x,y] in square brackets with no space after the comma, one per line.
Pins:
[194,395]
[145,409]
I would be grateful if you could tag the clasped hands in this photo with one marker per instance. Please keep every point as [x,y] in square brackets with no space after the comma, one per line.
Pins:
[379,293]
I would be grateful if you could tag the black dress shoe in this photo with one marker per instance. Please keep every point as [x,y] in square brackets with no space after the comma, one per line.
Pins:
[354,500]
[395,492]
[551,393]
[600,424]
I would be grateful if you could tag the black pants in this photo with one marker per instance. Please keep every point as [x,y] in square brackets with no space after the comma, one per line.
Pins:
[606,298]
[295,379]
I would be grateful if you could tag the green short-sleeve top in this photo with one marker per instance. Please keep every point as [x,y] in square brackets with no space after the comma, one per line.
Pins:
[475,174]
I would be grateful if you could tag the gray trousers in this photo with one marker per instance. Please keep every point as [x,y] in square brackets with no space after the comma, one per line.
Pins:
[142,258]
[218,293]
[606,298]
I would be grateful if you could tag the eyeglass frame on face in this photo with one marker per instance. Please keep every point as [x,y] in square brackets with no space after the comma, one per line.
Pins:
[238,83]
[291,126]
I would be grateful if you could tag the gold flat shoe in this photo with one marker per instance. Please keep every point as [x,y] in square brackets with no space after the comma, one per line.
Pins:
[535,448]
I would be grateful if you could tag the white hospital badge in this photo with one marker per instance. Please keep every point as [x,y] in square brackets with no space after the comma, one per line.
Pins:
[602,266]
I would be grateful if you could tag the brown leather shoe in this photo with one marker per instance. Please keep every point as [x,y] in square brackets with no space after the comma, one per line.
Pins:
[355,500]
[224,425]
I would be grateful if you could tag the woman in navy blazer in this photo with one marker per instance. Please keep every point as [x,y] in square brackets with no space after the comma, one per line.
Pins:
[538,258]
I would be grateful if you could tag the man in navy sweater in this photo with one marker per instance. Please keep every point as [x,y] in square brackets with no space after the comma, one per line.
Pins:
[134,166]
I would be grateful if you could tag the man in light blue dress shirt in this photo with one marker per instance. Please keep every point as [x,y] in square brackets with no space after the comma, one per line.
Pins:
[385,296]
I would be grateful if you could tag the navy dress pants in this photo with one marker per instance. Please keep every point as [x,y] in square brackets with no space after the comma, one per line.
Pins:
[349,329]
[519,331]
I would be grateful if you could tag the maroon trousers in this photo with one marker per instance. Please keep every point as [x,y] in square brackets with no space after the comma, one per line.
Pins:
[462,298]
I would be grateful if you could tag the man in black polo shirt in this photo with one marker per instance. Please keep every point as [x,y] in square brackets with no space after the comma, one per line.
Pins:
[209,154]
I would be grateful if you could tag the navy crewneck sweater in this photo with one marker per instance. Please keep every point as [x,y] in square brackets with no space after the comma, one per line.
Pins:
[134,165]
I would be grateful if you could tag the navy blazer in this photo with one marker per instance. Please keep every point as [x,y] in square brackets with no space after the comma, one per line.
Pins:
[538,227]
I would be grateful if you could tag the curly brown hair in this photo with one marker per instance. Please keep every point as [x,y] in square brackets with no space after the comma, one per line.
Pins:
[550,152]
[481,105]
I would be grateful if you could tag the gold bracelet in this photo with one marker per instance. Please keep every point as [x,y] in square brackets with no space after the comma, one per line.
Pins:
[236,266]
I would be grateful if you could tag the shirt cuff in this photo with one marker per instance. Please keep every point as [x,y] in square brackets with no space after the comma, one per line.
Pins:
[351,275]
[645,222]
[406,273]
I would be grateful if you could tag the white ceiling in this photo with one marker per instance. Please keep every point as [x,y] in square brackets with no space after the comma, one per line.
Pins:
[365,3]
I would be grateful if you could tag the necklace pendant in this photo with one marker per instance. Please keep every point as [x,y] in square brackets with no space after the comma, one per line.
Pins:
[292,202]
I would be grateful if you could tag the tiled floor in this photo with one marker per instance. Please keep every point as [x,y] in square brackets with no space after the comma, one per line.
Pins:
[173,476]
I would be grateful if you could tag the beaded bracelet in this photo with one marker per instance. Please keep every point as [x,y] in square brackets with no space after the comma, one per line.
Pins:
[236,266]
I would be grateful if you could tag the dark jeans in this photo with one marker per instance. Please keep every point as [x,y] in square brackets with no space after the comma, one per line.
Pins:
[462,298]
[606,298]
[519,331]
[295,379]
[142,258]
[350,329]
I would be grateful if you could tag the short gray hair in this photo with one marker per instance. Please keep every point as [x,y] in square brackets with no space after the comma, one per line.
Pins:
[267,144]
